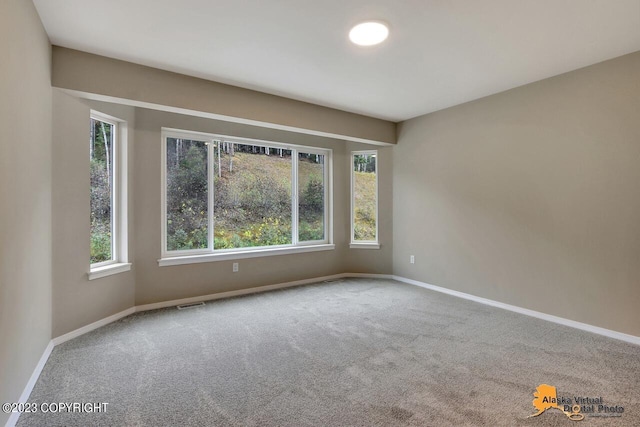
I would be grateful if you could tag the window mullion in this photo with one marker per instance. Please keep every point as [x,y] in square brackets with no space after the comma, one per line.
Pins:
[115,181]
[328,204]
[352,197]
[294,196]
[210,192]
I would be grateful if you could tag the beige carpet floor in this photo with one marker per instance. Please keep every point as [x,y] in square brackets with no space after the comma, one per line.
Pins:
[356,352]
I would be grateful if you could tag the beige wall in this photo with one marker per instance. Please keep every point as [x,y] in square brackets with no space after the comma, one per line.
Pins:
[25,196]
[76,300]
[84,72]
[155,284]
[530,197]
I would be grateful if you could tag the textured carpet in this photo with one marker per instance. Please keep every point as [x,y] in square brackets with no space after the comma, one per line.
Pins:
[356,352]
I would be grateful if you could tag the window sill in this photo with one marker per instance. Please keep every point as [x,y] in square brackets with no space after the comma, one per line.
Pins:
[368,245]
[225,256]
[109,270]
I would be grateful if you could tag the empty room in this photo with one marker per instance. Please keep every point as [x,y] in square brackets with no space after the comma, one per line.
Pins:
[319,213]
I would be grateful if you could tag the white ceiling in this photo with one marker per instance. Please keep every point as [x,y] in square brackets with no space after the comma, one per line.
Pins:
[439,52]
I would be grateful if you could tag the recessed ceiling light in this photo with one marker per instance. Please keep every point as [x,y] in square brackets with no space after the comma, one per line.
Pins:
[369,33]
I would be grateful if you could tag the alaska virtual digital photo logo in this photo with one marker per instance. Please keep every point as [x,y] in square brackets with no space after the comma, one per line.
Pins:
[575,408]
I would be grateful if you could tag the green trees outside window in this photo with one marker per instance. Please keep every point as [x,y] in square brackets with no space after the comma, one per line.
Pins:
[101,157]
[187,194]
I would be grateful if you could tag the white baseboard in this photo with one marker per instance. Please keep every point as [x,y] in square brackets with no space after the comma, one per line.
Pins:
[549,317]
[370,275]
[24,397]
[229,294]
[90,327]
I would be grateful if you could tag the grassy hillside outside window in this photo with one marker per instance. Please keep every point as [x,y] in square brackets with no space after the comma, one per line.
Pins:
[364,197]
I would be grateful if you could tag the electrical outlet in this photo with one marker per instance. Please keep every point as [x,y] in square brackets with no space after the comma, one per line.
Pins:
[412,259]
[235,267]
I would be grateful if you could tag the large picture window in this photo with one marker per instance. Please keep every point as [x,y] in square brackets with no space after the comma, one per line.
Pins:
[364,199]
[226,195]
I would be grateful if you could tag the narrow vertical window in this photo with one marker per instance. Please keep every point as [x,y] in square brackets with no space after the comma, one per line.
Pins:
[101,154]
[108,196]
[187,194]
[364,199]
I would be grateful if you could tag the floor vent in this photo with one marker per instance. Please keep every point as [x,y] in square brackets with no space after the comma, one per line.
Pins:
[193,304]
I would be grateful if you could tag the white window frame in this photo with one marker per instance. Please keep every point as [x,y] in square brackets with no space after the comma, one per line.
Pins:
[209,254]
[119,206]
[364,244]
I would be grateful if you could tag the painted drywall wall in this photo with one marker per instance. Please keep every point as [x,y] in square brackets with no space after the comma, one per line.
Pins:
[155,284]
[76,300]
[530,197]
[25,196]
[93,74]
